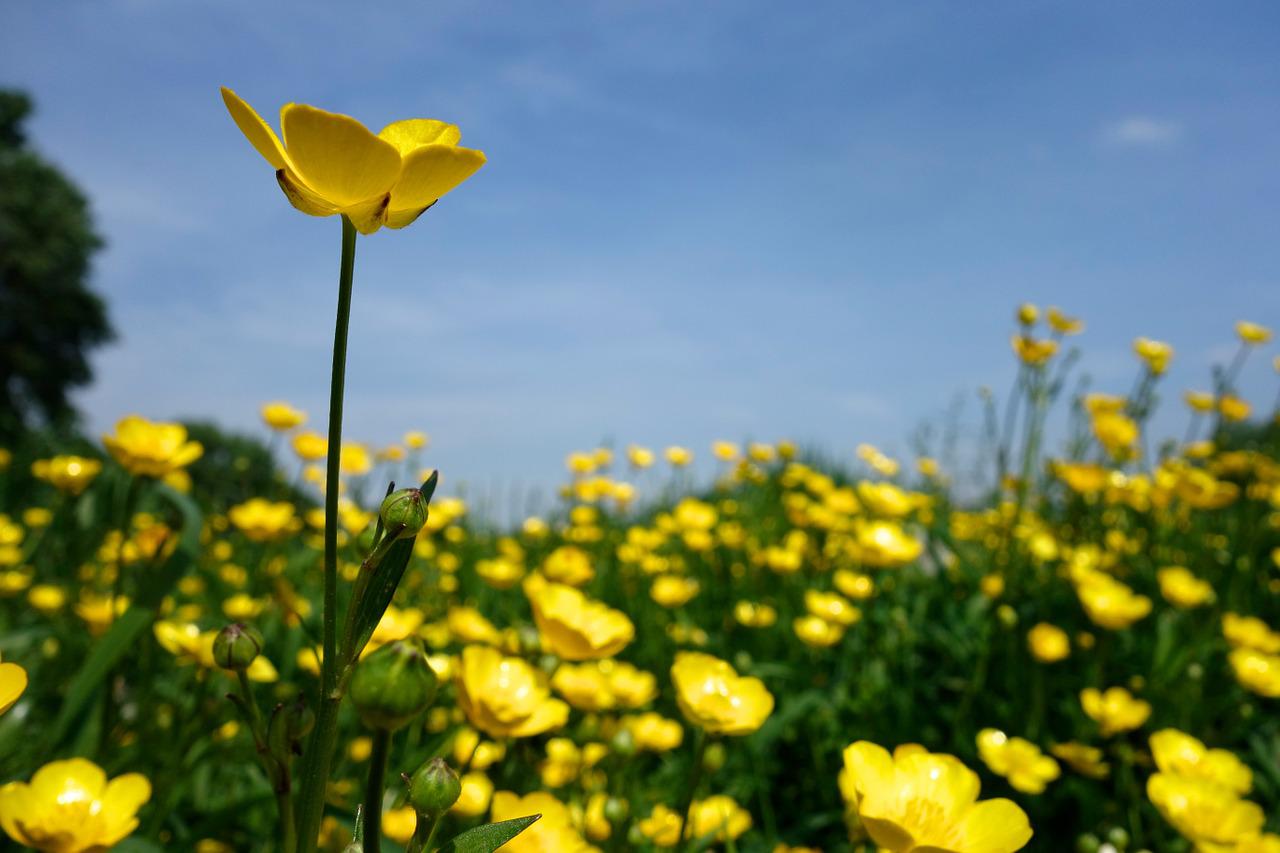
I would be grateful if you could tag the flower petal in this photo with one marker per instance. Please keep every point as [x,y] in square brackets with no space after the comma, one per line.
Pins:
[430,172]
[994,826]
[413,133]
[13,680]
[336,156]
[301,197]
[257,131]
[369,216]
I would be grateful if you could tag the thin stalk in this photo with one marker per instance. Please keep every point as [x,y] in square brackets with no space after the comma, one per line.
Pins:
[695,777]
[373,791]
[315,771]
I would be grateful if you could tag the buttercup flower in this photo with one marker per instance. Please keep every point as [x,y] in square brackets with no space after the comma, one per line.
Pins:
[310,446]
[506,697]
[330,163]
[1183,755]
[918,800]
[576,627]
[1182,589]
[1109,603]
[1018,760]
[654,732]
[69,474]
[718,817]
[713,696]
[1209,815]
[264,521]
[147,449]
[553,831]
[70,807]
[1252,333]
[1032,351]
[1256,671]
[1048,643]
[1156,354]
[1114,711]
[1082,758]
[282,417]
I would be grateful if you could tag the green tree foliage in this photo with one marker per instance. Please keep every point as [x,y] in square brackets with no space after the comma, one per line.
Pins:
[49,319]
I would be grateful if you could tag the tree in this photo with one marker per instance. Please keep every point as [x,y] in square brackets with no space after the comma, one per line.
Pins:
[49,318]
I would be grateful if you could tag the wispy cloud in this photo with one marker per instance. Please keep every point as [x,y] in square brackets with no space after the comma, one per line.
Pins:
[1140,131]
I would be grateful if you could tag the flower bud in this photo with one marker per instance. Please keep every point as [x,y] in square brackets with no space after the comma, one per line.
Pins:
[393,685]
[404,510]
[236,646]
[434,788]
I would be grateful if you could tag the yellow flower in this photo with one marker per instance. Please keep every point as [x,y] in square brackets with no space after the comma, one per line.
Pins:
[653,732]
[1252,333]
[1109,603]
[1183,589]
[1116,432]
[639,457]
[885,545]
[1083,478]
[1211,816]
[725,451]
[679,457]
[47,598]
[1183,755]
[1085,760]
[1114,711]
[500,573]
[816,632]
[575,626]
[673,590]
[310,446]
[856,585]
[1062,324]
[477,790]
[662,826]
[714,697]
[1256,671]
[1048,643]
[751,614]
[1250,632]
[282,417]
[69,474]
[399,824]
[1199,401]
[1034,352]
[1233,408]
[553,831]
[506,697]
[569,565]
[416,440]
[1028,314]
[1020,761]
[917,800]
[148,449]
[13,681]
[354,460]
[100,611]
[186,642]
[331,163]
[604,685]
[831,607]
[718,817]
[70,807]
[1156,354]
[261,520]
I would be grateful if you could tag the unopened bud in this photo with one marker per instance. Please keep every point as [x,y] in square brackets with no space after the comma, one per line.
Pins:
[393,685]
[236,646]
[405,511]
[434,788]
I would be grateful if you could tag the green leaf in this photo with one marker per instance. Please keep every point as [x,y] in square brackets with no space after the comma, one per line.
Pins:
[487,838]
[379,592]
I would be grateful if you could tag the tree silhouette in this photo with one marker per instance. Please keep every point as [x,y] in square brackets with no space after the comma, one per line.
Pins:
[49,319]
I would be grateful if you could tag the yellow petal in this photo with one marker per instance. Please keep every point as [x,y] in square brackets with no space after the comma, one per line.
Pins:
[301,197]
[995,826]
[336,156]
[402,218]
[370,215]
[14,802]
[257,131]
[123,796]
[67,781]
[413,133]
[886,833]
[870,766]
[430,172]
[13,680]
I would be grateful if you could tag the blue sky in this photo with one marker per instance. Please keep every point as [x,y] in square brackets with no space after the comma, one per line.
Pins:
[698,220]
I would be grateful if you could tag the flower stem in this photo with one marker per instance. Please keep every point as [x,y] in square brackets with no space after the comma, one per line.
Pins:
[315,772]
[695,776]
[373,791]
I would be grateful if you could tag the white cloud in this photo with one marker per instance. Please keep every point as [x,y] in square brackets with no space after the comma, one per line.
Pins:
[1142,132]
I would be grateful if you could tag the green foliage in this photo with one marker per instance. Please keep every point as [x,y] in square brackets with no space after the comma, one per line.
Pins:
[49,318]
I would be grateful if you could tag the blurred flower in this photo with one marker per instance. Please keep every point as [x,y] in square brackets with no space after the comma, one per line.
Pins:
[70,807]
[1114,711]
[1109,603]
[1062,324]
[679,457]
[68,474]
[751,614]
[330,163]
[1116,432]
[673,590]
[1155,354]
[1021,762]
[1256,671]
[816,632]
[575,626]
[553,831]
[1234,408]
[477,791]
[282,417]
[1252,333]
[1250,632]
[918,800]
[568,564]
[1183,755]
[719,818]
[147,449]
[13,681]
[1034,352]
[653,732]
[1209,815]
[1199,401]
[261,520]
[1048,643]
[712,695]
[1183,589]
[506,697]
[416,440]
[310,446]
[1085,760]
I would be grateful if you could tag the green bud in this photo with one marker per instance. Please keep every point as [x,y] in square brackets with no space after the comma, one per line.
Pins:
[713,758]
[1118,836]
[616,810]
[236,646]
[1088,843]
[407,508]
[393,685]
[623,743]
[433,788]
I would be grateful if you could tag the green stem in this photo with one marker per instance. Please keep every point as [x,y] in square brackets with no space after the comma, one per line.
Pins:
[373,791]
[315,771]
[695,776]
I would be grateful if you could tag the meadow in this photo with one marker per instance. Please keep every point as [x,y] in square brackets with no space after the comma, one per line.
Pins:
[205,651]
